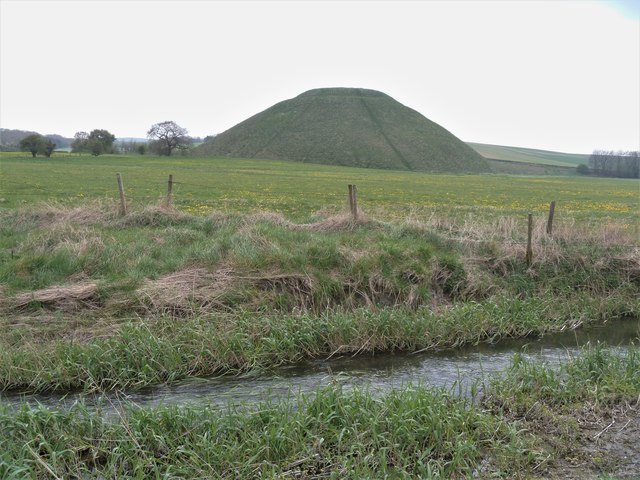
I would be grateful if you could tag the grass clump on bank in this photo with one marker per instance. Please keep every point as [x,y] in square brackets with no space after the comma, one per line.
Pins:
[586,414]
[355,434]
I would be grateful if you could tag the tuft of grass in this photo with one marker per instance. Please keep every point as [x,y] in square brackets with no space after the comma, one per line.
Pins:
[600,376]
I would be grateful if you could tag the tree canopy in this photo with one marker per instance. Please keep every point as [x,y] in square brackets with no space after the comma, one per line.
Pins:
[36,143]
[97,142]
[167,136]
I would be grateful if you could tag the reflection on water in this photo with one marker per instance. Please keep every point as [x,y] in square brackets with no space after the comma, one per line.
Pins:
[376,372]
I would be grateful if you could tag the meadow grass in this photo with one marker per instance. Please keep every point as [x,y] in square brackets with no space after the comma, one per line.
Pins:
[332,433]
[299,190]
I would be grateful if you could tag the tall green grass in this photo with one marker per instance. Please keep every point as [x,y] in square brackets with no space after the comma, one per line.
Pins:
[165,349]
[406,434]
[601,377]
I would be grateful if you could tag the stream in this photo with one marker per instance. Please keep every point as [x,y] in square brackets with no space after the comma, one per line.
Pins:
[379,373]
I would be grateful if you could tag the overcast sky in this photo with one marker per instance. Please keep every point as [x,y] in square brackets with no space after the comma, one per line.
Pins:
[554,75]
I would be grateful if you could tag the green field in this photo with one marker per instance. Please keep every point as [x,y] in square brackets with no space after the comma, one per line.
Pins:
[299,191]
[529,155]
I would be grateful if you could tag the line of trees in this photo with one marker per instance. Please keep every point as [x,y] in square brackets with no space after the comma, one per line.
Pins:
[610,163]
[164,138]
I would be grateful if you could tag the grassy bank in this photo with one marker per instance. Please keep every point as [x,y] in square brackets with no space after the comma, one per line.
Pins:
[94,300]
[265,260]
[585,415]
[404,434]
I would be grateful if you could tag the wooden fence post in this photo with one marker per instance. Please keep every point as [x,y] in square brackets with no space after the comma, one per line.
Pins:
[123,202]
[350,198]
[552,209]
[353,201]
[529,256]
[170,190]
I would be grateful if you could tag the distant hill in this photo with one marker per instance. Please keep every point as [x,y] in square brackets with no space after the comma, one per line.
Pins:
[529,155]
[350,127]
[10,139]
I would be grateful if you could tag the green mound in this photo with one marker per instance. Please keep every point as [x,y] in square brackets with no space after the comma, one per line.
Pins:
[349,127]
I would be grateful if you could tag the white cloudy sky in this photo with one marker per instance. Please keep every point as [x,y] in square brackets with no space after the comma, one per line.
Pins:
[554,75]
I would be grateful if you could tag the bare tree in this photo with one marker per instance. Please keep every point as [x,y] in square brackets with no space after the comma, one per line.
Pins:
[167,136]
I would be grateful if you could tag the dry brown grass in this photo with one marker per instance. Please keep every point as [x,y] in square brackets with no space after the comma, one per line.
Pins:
[152,215]
[68,298]
[299,288]
[95,212]
[186,291]
[334,223]
[50,214]
[197,290]
[75,238]
[504,239]
[514,230]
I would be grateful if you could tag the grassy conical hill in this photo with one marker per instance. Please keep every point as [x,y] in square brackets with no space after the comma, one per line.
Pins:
[350,127]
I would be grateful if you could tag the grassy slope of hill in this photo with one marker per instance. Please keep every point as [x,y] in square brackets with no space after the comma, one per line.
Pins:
[509,167]
[347,127]
[529,155]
